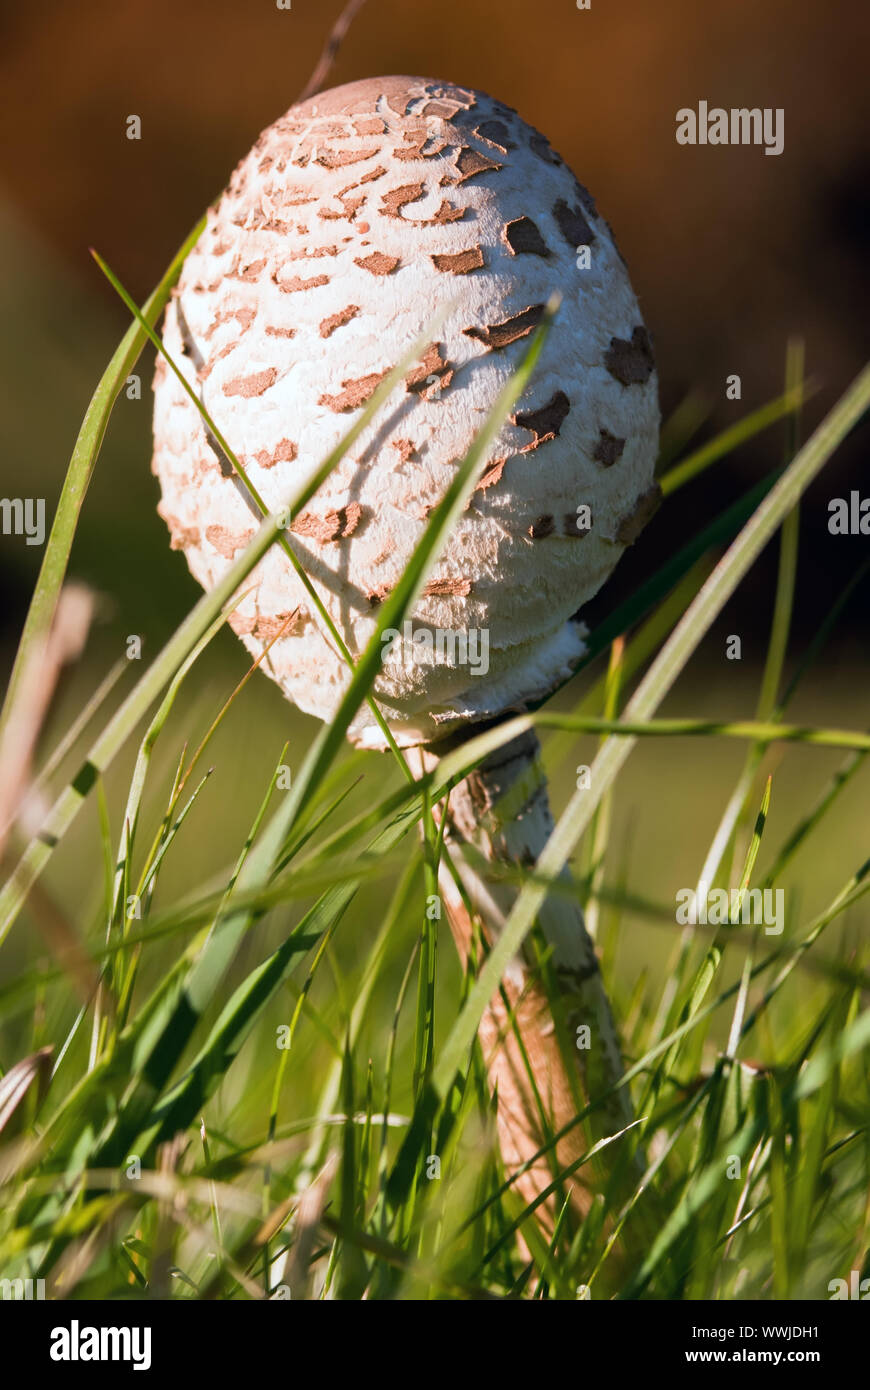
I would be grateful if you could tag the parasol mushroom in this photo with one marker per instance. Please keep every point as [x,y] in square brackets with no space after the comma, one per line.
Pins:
[354,217]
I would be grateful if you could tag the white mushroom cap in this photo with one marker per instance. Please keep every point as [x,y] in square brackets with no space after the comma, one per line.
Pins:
[353,219]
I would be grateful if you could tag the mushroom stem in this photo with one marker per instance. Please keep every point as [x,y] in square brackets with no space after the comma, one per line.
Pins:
[544,1065]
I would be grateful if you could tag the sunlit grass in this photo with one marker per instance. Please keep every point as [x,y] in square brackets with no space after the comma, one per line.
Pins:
[252,1101]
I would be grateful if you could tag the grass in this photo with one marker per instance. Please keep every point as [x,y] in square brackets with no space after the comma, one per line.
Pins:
[264,1080]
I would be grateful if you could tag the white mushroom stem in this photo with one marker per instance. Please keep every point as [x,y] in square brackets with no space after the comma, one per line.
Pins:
[502,811]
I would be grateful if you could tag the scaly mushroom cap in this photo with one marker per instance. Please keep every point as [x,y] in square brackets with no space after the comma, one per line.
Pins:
[353,219]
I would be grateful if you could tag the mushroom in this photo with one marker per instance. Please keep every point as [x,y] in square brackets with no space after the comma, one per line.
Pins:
[353,218]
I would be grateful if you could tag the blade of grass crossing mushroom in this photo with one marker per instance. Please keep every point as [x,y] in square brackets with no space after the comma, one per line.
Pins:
[652,689]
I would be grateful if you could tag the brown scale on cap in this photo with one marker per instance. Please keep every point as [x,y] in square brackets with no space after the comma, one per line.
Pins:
[253,385]
[644,508]
[205,369]
[371,177]
[337,130]
[405,449]
[340,159]
[396,199]
[333,526]
[445,588]
[284,451]
[183,536]
[369,125]
[268,224]
[306,254]
[445,110]
[243,316]
[523,237]
[296,197]
[587,202]
[354,393]
[501,335]
[267,628]
[630,360]
[540,145]
[378,263]
[350,208]
[225,541]
[281,332]
[431,364]
[295,283]
[572,224]
[459,262]
[492,474]
[608,450]
[416,138]
[470,163]
[377,593]
[446,213]
[545,422]
[333,321]
[249,273]
[542,526]
[495,133]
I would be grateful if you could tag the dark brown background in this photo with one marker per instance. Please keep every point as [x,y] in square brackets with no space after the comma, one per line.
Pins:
[730,250]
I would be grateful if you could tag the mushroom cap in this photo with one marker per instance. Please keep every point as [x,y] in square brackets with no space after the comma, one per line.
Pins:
[352,220]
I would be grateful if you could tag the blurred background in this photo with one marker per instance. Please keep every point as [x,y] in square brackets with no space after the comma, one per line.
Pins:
[731,252]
